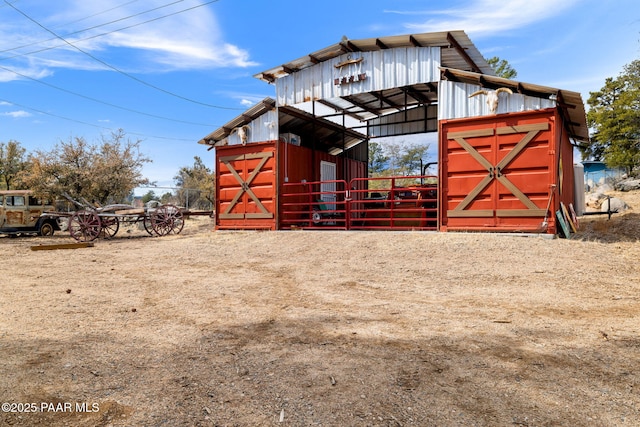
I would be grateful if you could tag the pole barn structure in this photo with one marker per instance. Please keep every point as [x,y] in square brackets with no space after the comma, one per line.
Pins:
[505,148]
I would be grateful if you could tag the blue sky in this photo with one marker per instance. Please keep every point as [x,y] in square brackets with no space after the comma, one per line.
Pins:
[168,72]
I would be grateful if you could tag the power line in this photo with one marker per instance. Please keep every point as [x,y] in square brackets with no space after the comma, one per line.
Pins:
[100,13]
[103,102]
[95,26]
[117,69]
[88,124]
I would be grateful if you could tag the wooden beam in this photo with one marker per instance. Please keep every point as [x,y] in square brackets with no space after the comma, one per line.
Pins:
[381,44]
[341,110]
[288,70]
[452,40]
[269,77]
[62,246]
[449,76]
[352,47]
[417,95]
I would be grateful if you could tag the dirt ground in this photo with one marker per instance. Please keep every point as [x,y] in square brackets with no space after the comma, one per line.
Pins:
[306,328]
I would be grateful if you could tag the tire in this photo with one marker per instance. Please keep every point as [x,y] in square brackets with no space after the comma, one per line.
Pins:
[46,229]
[316,217]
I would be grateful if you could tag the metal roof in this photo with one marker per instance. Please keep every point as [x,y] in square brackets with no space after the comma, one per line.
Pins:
[459,61]
[293,120]
[570,103]
[457,52]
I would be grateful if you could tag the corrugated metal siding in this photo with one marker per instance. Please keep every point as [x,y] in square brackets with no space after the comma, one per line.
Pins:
[264,128]
[454,102]
[385,69]
[416,122]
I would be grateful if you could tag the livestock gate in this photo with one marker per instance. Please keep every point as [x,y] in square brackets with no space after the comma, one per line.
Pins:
[301,160]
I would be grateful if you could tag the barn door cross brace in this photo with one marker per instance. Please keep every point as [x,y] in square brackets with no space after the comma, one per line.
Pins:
[495,172]
[245,186]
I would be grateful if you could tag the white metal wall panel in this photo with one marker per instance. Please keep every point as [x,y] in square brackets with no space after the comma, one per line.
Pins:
[264,128]
[327,173]
[393,124]
[454,102]
[385,69]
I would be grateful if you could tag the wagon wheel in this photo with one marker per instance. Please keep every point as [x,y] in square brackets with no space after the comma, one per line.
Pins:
[110,226]
[146,223]
[167,219]
[84,226]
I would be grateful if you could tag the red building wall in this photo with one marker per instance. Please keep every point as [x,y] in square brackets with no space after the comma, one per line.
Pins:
[250,180]
[499,173]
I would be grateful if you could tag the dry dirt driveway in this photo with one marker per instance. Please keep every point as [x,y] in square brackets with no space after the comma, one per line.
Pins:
[323,328]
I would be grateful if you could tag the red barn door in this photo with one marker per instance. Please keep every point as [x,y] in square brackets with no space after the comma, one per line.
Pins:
[498,172]
[246,187]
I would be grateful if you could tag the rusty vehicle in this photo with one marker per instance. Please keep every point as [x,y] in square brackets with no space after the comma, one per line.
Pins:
[21,213]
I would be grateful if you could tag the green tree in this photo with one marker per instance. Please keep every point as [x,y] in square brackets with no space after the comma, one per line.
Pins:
[103,173]
[377,159]
[148,196]
[168,198]
[196,185]
[502,68]
[413,157]
[405,158]
[12,163]
[614,116]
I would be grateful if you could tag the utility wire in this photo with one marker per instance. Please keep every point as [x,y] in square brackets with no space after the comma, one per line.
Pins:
[100,13]
[102,102]
[96,26]
[89,124]
[117,69]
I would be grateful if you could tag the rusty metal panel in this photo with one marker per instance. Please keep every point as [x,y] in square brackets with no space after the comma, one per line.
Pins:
[454,102]
[499,173]
[246,186]
[359,72]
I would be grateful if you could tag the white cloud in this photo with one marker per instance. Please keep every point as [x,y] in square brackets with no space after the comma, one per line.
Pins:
[485,17]
[188,40]
[17,114]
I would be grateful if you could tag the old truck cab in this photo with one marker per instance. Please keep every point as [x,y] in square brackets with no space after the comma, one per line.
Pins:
[22,213]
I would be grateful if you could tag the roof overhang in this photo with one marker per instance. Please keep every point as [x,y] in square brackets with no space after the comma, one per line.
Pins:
[457,51]
[290,119]
[569,103]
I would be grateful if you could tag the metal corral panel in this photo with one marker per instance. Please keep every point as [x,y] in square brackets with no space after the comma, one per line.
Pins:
[454,102]
[498,173]
[246,186]
[360,72]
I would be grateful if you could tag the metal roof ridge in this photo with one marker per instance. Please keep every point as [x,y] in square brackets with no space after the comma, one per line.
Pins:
[457,39]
